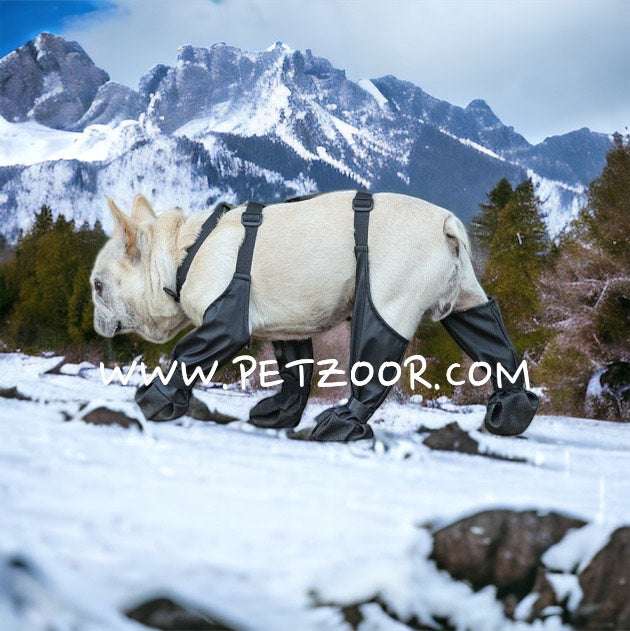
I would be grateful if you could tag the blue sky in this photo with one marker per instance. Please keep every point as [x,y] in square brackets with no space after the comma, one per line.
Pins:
[21,20]
[544,67]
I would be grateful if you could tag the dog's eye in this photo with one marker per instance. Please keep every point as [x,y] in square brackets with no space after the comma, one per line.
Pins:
[98,287]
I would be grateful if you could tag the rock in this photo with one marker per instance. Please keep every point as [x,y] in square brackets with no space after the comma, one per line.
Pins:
[499,547]
[198,410]
[104,416]
[49,80]
[353,614]
[13,393]
[605,585]
[56,369]
[112,104]
[546,595]
[169,615]
[452,438]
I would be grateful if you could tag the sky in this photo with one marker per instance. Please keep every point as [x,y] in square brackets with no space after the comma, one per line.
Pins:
[544,66]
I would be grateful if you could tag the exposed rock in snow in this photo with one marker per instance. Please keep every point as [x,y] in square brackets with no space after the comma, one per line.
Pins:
[501,548]
[164,613]
[49,80]
[452,438]
[103,415]
[605,584]
[112,104]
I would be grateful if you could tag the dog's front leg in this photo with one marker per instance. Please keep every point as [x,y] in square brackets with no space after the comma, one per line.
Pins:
[223,333]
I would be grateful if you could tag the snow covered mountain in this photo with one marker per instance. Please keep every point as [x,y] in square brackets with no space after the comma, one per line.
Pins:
[48,80]
[223,123]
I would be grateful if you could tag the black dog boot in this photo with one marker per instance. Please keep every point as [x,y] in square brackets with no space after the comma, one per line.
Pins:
[284,409]
[372,342]
[480,333]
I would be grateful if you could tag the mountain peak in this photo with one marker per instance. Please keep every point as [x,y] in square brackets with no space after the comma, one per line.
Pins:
[279,46]
[483,112]
[478,104]
[50,80]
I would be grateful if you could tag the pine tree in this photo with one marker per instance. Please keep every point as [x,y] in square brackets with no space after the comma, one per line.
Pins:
[46,284]
[513,232]
[484,224]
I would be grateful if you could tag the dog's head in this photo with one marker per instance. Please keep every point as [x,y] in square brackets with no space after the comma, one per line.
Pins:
[127,278]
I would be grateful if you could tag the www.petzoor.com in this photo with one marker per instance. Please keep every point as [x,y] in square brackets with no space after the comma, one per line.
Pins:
[329,375]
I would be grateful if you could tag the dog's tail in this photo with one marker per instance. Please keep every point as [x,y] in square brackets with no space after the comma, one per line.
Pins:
[457,236]
[459,246]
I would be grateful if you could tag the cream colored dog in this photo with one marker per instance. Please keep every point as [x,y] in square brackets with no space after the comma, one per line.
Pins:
[303,268]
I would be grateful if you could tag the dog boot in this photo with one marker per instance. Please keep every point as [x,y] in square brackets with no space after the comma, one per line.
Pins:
[481,334]
[372,342]
[223,332]
[284,409]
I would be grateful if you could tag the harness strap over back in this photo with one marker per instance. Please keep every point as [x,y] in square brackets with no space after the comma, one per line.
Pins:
[251,219]
[362,204]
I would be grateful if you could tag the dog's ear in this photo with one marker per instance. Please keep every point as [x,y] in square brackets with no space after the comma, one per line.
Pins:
[142,210]
[125,229]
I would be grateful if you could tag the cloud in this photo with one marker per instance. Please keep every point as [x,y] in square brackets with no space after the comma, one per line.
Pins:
[544,67]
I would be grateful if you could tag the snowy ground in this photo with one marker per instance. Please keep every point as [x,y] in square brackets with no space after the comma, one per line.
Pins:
[257,528]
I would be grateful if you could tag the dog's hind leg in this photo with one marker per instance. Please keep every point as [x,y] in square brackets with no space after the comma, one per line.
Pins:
[477,327]
[284,409]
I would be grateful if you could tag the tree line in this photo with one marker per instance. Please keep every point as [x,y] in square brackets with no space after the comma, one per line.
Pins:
[565,302]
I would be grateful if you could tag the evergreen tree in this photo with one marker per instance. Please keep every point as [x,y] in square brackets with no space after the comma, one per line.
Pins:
[516,245]
[45,289]
[484,224]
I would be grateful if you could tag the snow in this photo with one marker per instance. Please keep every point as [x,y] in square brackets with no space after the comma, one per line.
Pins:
[594,389]
[560,202]
[280,46]
[371,89]
[566,586]
[260,529]
[578,547]
[475,145]
[31,143]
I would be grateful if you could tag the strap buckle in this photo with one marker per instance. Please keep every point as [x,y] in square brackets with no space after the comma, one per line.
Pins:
[363,202]
[251,219]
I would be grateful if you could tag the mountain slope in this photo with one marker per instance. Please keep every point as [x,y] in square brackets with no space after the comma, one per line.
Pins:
[48,80]
[223,123]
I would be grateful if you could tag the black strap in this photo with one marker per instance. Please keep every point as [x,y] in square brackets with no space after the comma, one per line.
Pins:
[208,226]
[251,219]
[362,204]
[302,198]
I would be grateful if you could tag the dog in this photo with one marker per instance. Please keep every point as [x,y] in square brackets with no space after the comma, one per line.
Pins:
[303,270]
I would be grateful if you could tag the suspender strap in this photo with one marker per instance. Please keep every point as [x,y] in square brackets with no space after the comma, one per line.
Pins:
[208,226]
[251,219]
[362,204]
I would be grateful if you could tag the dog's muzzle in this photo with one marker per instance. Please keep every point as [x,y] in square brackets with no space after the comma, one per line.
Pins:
[106,327]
